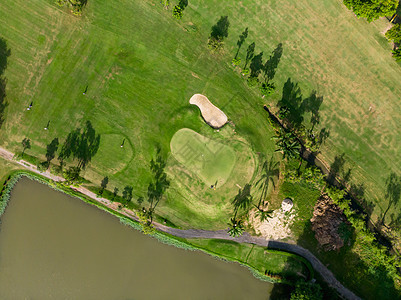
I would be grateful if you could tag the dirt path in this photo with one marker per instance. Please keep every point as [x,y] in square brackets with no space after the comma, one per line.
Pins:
[204,234]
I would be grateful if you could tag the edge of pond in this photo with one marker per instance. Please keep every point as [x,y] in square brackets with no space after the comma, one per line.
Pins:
[166,238]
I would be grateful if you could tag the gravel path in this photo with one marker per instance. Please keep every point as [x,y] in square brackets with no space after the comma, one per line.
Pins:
[205,234]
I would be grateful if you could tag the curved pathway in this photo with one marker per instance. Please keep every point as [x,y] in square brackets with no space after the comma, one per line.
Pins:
[205,234]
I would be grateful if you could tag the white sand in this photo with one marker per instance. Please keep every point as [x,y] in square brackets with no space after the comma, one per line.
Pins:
[213,116]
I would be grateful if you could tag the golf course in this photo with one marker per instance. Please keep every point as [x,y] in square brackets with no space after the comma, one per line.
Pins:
[108,93]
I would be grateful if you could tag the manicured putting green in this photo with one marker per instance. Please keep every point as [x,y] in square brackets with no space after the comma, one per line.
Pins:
[211,161]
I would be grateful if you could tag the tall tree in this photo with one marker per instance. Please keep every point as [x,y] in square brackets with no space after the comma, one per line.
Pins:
[287,143]
[372,9]
[236,228]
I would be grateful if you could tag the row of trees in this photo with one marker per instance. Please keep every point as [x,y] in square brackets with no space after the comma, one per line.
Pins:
[156,189]
[259,73]
[81,144]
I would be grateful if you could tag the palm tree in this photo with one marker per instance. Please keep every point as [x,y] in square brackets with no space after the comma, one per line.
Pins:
[263,214]
[288,144]
[236,228]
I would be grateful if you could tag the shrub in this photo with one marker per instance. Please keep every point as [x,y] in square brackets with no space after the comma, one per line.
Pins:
[397,54]
[177,12]
[215,44]
[394,34]
[267,89]
[253,81]
[236,61]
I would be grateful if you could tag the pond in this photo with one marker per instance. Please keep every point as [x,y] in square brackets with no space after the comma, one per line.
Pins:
[53,246]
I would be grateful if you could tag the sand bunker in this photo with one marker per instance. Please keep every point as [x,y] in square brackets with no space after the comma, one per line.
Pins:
[212,115]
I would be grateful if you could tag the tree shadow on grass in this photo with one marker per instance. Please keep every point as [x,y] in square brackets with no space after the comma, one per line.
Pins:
[393,194]
[293,107]
[290,104]
[241,40]
[81,144]
[250,52]
[127,193]
[256,65]
[159,183]
[220,29]
[5,52]
[51,150]
[183,4]
[270,67]
[312,104]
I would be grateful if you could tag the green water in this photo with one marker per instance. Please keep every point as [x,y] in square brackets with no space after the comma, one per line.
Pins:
[53,246]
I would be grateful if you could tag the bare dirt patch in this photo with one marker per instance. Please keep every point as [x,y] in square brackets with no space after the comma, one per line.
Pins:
[275,228]
[326,220]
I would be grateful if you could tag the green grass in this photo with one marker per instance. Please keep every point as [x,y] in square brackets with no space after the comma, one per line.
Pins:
[139,87]
[288,265]
[212,161]
[5,169]
[142,66]
[136,90]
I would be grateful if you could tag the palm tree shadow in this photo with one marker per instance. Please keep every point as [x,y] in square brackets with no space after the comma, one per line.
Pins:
[270,173]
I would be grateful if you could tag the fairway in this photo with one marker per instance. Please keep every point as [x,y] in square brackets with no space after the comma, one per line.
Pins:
[141,66]
[212,161]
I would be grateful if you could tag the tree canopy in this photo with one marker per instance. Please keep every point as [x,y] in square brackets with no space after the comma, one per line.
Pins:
[372,9]
[394,34]
[306,291]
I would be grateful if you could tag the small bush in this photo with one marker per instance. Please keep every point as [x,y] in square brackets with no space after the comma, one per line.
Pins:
[177,12]
[253,81]
[215,44]
[236,61]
